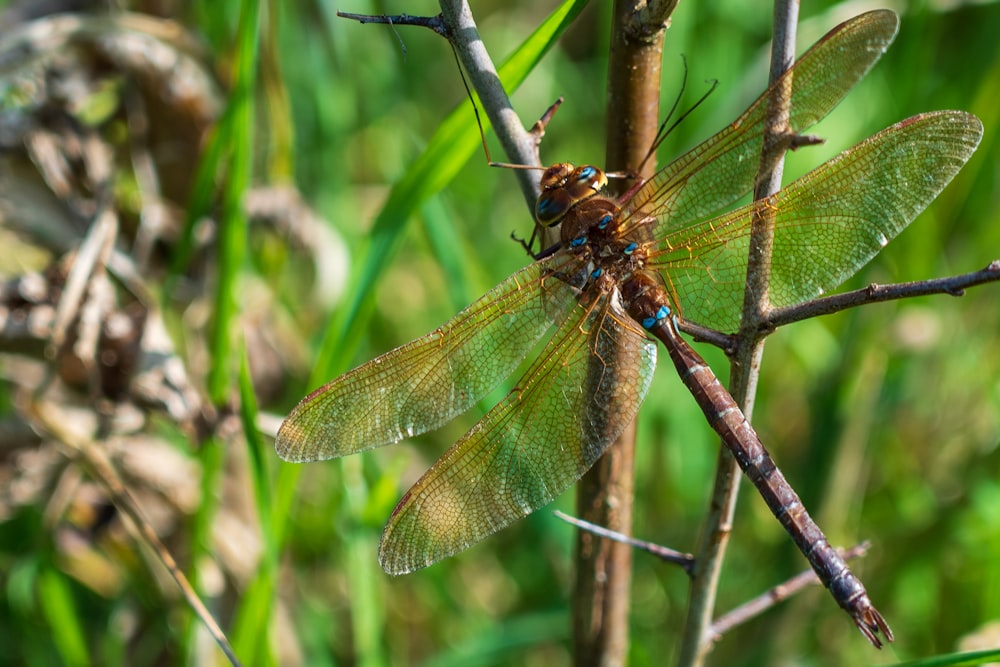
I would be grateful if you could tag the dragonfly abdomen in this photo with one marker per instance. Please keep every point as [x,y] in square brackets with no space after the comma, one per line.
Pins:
[647,303]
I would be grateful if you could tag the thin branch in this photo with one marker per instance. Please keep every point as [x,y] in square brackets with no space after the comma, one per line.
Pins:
[520,145]
[779,317]
[684,560]
[696,639]
[458,26]
[94,459]
[746,611]
[953,286]
[760,604]
[435,23]
[724,341]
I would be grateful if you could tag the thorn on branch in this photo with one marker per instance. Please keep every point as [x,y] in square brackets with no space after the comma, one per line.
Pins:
[796,141]
[538,129]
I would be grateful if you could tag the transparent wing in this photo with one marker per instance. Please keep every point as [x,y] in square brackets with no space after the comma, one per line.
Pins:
[577,397]
[828,224]
[427,382]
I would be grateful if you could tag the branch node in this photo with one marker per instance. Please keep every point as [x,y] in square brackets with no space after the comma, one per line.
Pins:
[650,21]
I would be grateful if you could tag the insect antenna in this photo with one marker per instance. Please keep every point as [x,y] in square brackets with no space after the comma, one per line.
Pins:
[663,130]
[472,100]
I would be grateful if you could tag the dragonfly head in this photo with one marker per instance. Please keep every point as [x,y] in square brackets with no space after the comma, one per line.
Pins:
[563,186]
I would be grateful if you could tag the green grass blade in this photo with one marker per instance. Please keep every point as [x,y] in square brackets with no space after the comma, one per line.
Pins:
[456,139]
[234,158]
[56,602]
[250,632]
[233,223]
[966,659]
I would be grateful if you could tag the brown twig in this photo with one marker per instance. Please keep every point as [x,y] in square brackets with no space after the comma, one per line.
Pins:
[457,25]
[605,494]
[684,560]
[779,317]
[741,614]
[724,341]
[952,285]
[93,458]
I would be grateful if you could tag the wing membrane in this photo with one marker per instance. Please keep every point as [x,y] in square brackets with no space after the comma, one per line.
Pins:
[577,397]
[720,170]
[828,224]
[427,382]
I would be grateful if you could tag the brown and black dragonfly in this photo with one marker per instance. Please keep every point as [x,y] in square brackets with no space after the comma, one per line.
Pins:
[624,270]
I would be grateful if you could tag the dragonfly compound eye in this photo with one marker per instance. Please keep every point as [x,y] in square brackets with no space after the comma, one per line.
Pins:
[552,206]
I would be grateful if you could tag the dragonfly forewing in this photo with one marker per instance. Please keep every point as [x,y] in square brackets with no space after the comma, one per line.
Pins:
[577,397]
[424,384]
[721,169]
[828,224]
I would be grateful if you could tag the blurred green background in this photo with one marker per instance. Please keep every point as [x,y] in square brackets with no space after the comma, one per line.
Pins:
[885,419]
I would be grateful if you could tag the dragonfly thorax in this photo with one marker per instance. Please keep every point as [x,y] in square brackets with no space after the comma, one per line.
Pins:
[591,228]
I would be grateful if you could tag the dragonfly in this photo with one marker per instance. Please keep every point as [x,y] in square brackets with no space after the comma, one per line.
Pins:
[621,275]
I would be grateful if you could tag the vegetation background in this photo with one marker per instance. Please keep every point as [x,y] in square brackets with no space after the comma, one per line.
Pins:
[885,419]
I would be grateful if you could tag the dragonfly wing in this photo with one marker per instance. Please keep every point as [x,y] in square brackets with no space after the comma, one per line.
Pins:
[720,170]
[574,401]
[427,382]
[828,224]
